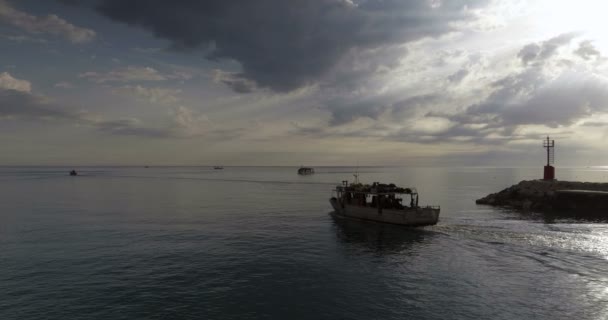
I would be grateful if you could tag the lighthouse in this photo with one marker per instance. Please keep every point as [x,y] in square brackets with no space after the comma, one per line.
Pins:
[549,169]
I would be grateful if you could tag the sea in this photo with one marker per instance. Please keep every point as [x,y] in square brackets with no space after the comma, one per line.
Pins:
[259,243]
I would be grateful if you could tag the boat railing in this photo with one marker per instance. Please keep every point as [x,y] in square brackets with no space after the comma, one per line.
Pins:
[373,192]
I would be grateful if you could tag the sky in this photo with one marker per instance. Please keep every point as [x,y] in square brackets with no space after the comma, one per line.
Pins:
[303,82]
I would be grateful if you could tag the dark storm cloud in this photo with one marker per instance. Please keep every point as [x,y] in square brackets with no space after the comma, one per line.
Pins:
[283,45]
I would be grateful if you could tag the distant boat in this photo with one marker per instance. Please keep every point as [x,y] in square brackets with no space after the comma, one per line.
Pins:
[73,173]
[306,171]
[218,168]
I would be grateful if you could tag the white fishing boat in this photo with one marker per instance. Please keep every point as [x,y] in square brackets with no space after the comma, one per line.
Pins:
[382,203]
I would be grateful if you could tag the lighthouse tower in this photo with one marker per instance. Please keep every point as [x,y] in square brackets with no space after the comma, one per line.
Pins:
[549,169]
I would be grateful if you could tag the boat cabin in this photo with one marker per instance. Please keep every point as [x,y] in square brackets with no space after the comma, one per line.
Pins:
[377,195]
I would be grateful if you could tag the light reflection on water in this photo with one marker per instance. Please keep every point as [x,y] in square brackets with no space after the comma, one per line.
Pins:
[191,243]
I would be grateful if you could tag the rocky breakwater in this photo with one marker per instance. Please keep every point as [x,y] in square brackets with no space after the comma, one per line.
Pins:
[541,195]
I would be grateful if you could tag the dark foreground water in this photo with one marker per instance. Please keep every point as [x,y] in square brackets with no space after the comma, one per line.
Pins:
[258,243]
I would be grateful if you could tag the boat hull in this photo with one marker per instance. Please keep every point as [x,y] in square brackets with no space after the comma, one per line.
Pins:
[421,216]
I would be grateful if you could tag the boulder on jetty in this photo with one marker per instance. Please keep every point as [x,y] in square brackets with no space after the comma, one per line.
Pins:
[554,195]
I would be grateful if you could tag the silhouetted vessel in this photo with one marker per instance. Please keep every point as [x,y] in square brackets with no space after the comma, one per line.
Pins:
[73,173]
[218,168]
[306,170]
[381,203]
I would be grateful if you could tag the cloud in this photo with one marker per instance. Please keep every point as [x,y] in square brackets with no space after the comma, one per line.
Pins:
[512,104]
[560,102]
[7,82]
[587,50]
[539,52]
[188,123]
[284,45]
[383,117]
[345,111]
[127,74]
[23,38]
[182,123]
[23,105]
[26,106]
[546,95]
[133,74]
[376,89]
[458,76]
[17,102]
[50,24]
[64,85]
[234,80]
[533,97]
[130,127]
[152,95]
[595,124]
[383,106]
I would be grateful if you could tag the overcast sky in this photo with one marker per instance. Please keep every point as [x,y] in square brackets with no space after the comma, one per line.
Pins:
[316,82]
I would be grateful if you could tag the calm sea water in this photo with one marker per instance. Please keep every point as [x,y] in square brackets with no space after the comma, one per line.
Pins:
[258,243]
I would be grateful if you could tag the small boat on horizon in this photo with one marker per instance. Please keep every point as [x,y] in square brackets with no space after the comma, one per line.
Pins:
[73,173]
[381,203]
[218,168]
[306,171]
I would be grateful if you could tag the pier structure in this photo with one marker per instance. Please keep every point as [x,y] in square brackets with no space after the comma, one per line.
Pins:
[549,172]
